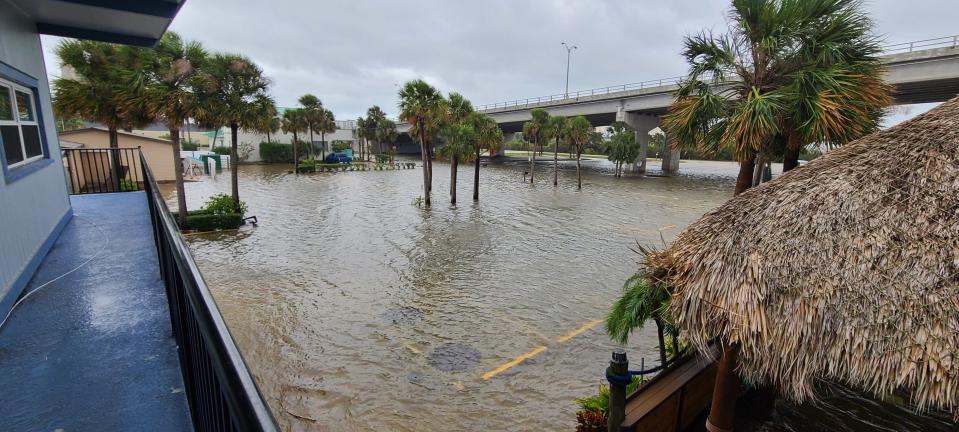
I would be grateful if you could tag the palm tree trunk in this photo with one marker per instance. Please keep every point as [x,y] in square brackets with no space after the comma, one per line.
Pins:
[268,137]
[311,143]
[532,162]
[579,176]
[745,178]
[429,165]
[791,156]
[323,140]
[556,162]
[234,179]
[662,341]
[453,165]
[725,391]
[426,173]
[178,176]
[296,153]
[476,176]
[114,156]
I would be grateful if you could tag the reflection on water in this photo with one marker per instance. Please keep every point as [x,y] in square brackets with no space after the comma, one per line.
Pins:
[356,310]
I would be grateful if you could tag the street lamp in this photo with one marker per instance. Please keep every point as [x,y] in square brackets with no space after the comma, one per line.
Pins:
[569,50]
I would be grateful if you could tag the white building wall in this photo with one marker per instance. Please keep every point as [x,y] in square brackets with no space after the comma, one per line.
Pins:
[34,205]
[255,139]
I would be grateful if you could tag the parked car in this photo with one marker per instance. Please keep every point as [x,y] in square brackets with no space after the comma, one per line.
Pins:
[338,157]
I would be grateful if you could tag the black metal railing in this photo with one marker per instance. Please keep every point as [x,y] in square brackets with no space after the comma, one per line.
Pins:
[103,170]
[219,387]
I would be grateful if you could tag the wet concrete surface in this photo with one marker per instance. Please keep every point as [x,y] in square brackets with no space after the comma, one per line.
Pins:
[93,350]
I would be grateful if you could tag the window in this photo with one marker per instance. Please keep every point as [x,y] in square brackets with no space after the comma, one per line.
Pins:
[19,128]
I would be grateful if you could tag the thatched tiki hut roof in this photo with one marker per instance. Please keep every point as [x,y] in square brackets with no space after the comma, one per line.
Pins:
[846,269]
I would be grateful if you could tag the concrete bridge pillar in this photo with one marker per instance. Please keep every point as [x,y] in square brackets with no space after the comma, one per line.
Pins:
[670,157]
[642,124]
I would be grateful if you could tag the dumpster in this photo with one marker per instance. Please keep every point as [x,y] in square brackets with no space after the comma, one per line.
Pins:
[216,160]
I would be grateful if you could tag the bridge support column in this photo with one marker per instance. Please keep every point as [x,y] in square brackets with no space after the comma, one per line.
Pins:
[670,158]
[642,124]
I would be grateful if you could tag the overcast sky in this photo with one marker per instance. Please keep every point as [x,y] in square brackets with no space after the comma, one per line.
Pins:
[353,54]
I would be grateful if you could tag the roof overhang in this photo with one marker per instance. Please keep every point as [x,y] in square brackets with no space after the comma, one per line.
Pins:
[130,22]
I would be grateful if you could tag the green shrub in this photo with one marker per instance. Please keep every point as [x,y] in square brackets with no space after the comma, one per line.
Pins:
[127,185]
[221,150]
[188,146]
[276,152]
[222,204]
[339,146]
[211,222]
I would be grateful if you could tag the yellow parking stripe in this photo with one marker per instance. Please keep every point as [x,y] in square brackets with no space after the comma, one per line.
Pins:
[576,332]
[505,366]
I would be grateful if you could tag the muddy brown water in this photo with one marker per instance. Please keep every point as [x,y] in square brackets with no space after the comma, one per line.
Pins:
[357,310]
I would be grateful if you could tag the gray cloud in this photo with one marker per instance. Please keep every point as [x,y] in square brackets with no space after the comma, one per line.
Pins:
[352,54]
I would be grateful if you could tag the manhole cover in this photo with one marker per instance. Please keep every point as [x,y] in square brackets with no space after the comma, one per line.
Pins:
[402,315]
[454,357]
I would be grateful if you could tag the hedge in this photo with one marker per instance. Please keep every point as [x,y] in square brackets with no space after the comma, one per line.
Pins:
[211,222]
[276,152]
[221,150]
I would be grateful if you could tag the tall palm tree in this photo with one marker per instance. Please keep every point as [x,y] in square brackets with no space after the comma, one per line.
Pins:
[458,109]
[295,122]
[535,131]
[312,111]
[788,73]
[361,131]
[235,90]
[556,131]
[386,134]
[579,135]
[374,116]
[169,96]
[488,137]
[325,125]
[101,87]
[268,124]
[422,107]
[458,142]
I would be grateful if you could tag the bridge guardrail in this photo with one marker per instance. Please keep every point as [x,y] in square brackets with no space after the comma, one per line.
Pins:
[940,42]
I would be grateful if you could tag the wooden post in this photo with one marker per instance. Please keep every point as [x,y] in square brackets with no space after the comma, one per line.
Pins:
[723,410]
[618,367]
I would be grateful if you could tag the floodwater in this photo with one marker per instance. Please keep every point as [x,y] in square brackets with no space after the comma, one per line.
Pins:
[357,310]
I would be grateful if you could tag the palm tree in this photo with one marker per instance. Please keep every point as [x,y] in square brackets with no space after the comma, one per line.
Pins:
[622,148]
[360,133]
[295,122]
[268,124]
[458,142]
[422,107]
[640,302]
[534,131]
[374,116]
[488,136]
[556,131]
[788,73]
[169,96]
[386,133]
[102,89]
[458,109]
[326,124]
[579,135]
[234,95]
[312,108]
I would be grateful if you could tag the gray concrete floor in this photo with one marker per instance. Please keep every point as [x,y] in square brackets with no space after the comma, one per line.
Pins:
[94,350]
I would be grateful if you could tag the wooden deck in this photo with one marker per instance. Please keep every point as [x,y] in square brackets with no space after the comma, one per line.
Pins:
[672,400]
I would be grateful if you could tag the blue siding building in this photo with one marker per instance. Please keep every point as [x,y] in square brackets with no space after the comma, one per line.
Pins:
[105,321]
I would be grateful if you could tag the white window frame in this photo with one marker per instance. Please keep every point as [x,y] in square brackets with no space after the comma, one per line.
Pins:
[11,94]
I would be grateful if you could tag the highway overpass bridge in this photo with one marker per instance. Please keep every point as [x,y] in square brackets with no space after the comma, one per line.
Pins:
[921,71]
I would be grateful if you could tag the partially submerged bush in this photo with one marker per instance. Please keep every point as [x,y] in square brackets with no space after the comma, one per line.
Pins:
[222,204]
[212,222]
[276,152]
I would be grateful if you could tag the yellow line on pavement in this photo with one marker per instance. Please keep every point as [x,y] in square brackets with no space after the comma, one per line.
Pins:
[505,366]
[574,333]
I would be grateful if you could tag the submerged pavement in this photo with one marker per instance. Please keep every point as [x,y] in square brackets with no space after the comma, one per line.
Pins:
[93,350]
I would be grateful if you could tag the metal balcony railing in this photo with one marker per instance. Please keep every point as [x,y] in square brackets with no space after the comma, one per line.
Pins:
[219,387]
[941,42]
[102,170]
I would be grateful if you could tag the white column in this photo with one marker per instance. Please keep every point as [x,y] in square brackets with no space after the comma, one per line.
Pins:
[642,124]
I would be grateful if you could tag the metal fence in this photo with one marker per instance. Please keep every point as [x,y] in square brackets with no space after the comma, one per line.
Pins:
[940,42]
[219,387]
[102,170]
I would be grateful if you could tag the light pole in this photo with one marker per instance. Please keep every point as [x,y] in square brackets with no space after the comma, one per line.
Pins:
[569,50]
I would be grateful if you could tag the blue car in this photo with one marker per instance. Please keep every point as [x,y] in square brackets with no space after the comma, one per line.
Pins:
[338,157]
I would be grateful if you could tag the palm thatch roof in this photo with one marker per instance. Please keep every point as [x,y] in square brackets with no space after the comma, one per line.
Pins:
[846,269]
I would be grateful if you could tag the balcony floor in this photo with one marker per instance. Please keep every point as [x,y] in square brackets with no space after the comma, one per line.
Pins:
[93,350]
